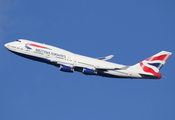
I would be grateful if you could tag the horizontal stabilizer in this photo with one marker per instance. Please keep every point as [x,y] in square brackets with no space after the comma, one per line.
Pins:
[106,69]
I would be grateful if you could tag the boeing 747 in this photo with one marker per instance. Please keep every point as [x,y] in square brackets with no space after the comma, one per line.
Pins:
[69,62]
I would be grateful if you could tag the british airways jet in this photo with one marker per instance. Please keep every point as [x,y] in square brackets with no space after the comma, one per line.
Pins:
[69,62]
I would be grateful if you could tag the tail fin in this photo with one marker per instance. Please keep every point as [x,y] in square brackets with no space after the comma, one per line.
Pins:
[152,65]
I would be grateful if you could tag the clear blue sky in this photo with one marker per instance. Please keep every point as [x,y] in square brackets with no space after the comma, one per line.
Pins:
[130,30]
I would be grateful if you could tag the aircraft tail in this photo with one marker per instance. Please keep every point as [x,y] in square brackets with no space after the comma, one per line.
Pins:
[152,65]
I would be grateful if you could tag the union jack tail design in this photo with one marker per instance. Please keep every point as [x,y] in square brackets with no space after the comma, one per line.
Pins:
[152,65]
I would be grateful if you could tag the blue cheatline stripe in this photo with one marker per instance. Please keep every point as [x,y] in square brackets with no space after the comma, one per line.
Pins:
[32,57]
[108,75]
[28,47]
[154,64]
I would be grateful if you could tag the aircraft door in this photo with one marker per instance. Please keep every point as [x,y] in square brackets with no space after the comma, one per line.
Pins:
[27,51]
[47,55]
[74,60]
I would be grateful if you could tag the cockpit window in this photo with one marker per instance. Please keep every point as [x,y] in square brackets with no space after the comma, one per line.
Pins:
[18,40]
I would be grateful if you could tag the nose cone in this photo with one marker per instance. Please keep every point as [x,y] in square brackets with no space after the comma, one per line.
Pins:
[7,46]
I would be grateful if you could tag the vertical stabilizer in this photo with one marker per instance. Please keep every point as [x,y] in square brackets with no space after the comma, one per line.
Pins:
[152,65]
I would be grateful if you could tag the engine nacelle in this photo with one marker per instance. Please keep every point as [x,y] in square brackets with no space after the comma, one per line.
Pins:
[66,68]
[88,71]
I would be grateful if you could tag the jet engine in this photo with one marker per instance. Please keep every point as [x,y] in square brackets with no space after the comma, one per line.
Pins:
[66,68]
[88,71]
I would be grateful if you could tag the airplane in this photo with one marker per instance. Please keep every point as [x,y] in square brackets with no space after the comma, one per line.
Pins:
[69,62]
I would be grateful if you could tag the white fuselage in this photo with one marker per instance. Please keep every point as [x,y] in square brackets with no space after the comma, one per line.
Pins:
[69,62]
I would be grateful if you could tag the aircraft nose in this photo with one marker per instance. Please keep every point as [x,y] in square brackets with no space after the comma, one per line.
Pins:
[6,45]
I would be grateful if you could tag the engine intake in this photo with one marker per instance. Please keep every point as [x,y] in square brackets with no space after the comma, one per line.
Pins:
[66,68]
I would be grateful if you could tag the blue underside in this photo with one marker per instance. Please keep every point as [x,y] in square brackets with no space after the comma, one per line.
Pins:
[100,73]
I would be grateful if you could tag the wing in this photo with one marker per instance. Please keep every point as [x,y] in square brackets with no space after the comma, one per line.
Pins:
[105,58]
[81,66]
